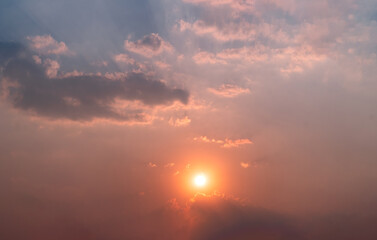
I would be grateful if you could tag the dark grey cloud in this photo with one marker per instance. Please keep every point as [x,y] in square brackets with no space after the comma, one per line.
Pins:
[149,45]
[220,218]
[223,218]
[152,41]
[77,97]
[9,50]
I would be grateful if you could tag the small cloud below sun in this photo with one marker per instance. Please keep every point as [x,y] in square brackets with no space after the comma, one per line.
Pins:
[244,164]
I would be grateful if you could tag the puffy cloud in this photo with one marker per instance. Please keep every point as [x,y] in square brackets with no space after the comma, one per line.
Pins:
[93,96]
[148,46]
[229,91]
[52,67]
[37,59]
[45,44]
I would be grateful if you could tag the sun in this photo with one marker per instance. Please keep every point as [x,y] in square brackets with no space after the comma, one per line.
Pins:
[200,180]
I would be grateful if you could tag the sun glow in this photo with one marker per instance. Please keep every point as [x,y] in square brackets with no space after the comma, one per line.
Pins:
[200,180]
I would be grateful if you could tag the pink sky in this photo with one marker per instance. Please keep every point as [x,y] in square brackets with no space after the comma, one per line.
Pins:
[106,119]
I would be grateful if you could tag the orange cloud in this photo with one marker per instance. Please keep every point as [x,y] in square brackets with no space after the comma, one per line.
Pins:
[227,143]
[180,122]
[169,165]
[152,165]
[236,143]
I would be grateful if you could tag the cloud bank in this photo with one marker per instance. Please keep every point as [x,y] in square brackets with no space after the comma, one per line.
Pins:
[28,86]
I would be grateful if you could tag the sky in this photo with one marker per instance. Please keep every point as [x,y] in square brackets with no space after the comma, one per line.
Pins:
[110,109]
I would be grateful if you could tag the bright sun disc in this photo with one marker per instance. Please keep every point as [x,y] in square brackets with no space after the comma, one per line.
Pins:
[200,180]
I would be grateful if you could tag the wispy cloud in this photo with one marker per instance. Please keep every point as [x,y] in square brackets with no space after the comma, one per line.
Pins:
[230,32]
[169,165]
[207,58]
[239,5]
[229,90]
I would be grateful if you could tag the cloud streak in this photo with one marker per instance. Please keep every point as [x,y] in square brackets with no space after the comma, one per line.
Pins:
[239,5]
[229,91]
[227,143]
